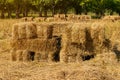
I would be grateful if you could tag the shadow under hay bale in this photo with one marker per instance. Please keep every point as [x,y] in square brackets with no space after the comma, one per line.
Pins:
[117,52]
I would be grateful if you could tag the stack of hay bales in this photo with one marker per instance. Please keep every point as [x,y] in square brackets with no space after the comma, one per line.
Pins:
[70,17]
[80,41]
[111,18]
[77,18]
[59,17]
[27,19]
[49,19]
[31,40]
[39,19]
[73,43]
[85,17]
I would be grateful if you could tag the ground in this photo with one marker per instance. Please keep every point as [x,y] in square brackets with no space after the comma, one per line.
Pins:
[87,70]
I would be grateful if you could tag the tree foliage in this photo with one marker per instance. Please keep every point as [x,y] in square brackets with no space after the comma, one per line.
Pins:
[24,7]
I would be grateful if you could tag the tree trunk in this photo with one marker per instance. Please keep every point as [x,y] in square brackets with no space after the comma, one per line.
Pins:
[53,11]
[17,14]
[45,13]
[2,14]
[9,14]
[111,13]
[40,13]
[25,13]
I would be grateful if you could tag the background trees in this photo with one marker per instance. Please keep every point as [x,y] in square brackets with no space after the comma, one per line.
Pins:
[20,8]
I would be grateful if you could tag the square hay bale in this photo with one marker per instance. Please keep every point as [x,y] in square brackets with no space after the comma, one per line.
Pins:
[59,28]
[77,17]
[63,17]
[98,33]
[27,19]
[26,55]
[49,19]
[70,17]
[63,56]
[31,31]
[23,19]
[35,44]
[15,34]
[39,19]
[57,17]
[22,30]
[78,34]
[43,56]
[83,17]
[45,31]
[107,58]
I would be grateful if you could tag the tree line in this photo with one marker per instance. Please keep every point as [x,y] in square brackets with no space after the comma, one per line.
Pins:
[45,7]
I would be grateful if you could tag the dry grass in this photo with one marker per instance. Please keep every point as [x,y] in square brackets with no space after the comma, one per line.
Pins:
[100,68]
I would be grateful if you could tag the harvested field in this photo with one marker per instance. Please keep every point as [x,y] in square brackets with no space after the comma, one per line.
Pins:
[61,51]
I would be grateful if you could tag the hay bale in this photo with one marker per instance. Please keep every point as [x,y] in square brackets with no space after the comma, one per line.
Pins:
[27,19]
[19,55]
[59,28]
[107,58]
[22,30]
[13,55]
[88,17]
[25,55]
[39,19]
[45,31]
[24,19]
[83,17]
[78,34]
[15,34]
[31,31]
[49,19]
[44,56]
[98,32]
[62,17]
[77,17]
[57,17]
[70,17]
[63,56]
[37,45]
[30,18]
[110,18]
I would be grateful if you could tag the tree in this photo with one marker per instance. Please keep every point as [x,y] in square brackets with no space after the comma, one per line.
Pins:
[3,7]
[9,7]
